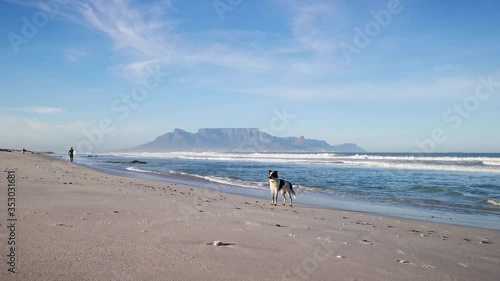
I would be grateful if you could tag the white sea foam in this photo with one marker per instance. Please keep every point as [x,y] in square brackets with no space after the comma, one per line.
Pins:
[135,169]
[221,180]
[493,202]
[438,163]
[494,162]
[225,180]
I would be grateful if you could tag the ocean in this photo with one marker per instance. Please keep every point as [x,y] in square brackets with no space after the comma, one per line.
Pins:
[455,188]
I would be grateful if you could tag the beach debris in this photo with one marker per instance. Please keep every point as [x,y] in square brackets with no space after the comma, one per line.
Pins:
[220,243]
[278,225]
[63,225]
[404,261]
[365,242]
[340,257]
[365,223]
[116,212]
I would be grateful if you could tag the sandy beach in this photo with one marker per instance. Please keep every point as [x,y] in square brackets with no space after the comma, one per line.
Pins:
[74,223]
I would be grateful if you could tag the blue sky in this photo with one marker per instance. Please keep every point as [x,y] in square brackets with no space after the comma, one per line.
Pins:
[388,75]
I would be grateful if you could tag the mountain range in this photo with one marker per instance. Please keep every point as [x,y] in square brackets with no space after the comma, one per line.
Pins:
[238,140]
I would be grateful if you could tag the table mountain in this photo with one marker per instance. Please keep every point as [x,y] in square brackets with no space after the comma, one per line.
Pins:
[238,139]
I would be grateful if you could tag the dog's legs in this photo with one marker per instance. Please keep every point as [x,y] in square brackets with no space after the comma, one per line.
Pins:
[283,193]
[290,195]
[275,198]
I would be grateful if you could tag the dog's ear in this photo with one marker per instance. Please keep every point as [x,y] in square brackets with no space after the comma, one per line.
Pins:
[270,171]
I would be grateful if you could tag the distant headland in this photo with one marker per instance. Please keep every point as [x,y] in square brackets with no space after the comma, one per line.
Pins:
[238,140]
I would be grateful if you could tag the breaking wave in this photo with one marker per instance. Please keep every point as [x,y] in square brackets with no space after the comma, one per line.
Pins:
[418,162]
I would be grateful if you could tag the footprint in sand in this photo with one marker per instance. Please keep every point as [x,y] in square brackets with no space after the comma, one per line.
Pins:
[365,223]
[485,241]
[250,223]
[405,262]
[105,222]
[324,239]
[366,242]
[328,240]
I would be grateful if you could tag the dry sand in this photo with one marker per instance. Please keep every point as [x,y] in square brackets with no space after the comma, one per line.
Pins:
[74,223]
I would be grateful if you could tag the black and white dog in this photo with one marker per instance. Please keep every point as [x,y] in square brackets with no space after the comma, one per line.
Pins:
[276,185]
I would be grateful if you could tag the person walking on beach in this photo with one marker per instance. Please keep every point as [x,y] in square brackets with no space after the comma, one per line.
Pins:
[71,153]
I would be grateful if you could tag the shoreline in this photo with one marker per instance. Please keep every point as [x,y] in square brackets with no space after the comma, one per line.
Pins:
[79,223]
[319,200]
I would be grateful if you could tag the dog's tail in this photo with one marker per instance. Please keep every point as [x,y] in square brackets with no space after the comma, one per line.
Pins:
[292,192]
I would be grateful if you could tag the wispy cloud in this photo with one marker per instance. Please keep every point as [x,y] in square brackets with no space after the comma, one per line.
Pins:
[306,30]
[441,68]
[73,55]
[35,134]
[300,62]
[38,109]
[139,33]
[435,89]
[149,35]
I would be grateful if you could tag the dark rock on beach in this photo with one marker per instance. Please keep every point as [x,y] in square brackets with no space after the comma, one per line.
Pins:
[131,162]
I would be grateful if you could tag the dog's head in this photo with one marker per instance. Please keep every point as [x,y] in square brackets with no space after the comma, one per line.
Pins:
[273,174]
